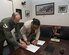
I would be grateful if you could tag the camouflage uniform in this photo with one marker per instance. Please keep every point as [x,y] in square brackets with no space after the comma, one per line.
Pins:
[6,26]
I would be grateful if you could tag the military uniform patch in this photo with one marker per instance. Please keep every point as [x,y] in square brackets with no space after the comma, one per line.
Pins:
[5,26]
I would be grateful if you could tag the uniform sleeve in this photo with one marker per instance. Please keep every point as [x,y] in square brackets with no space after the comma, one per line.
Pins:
[37,34]
[17,33]
[8,34]
[23,32]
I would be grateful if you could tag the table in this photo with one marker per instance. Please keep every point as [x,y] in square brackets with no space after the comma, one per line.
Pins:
[63,44]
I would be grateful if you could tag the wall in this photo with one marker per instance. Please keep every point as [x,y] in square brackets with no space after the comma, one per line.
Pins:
[57,18]
[17,4]
[6,8]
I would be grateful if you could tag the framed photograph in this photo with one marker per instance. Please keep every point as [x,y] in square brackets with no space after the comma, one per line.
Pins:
[27,13]
[20,12]
[62,9]
[45,9]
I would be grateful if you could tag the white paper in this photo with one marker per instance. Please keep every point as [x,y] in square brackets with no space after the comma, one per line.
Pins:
[32,48]
[40,42]
[56,40]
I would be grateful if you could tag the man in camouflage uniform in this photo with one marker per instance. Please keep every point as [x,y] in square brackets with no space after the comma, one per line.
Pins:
[6,26]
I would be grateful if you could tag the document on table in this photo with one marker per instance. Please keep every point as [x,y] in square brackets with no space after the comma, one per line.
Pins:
[56,40]
[32,48]
[40,42]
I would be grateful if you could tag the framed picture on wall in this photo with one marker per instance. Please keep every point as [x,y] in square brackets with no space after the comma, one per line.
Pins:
[45,9]
[27,13]
[62,9]
[20,12]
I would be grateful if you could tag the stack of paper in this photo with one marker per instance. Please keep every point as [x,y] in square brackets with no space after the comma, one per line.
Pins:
[32,48]
[40,42]
[56,40]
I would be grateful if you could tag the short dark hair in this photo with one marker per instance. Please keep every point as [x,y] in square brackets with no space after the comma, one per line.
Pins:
[36,21]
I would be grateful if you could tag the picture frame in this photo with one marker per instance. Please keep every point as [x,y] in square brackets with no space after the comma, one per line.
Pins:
[62,9]
[44,9]
[20,12]
[27,13]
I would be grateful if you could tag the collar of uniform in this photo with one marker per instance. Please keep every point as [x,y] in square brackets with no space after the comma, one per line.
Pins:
[12,22]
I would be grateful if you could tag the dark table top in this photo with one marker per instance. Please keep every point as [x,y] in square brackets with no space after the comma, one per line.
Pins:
[62,45]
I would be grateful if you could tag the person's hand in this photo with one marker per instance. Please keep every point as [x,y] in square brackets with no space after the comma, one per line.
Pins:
[34,42]
[27,42]
[23,45]
[56,33]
